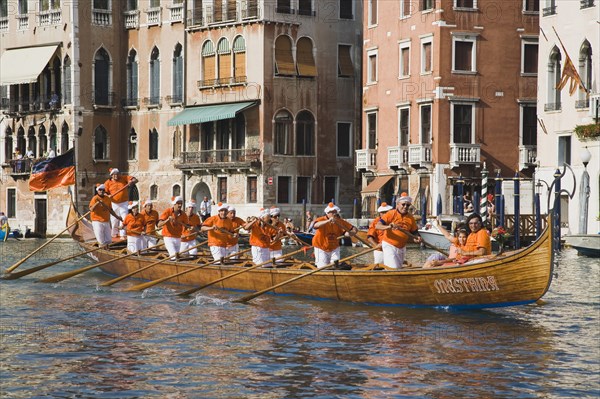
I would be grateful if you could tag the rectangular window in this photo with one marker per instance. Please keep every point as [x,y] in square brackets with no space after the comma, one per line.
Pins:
[462,123]
[346,9]
[372,12]
[284,7]
[405,8]
[372,130]
[303,189]
[464,3]
[404,59]
[564,150]
[426,5]
[426,124]
[283,189]
[305,7]
[345,66]
[464,55]
[330,189]
[22,7]
[372,67]
[529,125]
[426,56]
[101,4]
[11,203]
[344,139]
[222,189]
[529,59]
[404,126]
[252,188]
[531,6]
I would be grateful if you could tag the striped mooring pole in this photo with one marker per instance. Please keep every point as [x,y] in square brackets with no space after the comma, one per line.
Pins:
[483,202]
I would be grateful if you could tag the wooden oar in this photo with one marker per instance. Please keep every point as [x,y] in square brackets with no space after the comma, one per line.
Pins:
[367,243]
[254,295]
[64,276]
[195,289]
[13,267]
[152,283]
[123,277]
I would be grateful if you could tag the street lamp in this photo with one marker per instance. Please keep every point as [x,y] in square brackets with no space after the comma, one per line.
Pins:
[584,194]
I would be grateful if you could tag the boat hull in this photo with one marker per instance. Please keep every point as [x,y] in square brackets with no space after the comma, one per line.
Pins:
[585,244]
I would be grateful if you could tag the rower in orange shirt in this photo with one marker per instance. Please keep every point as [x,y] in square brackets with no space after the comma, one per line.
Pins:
[220,231]
[237,223]
[119,196]
[173,221]
[188,240]
[375,236]
[151,216]
[260,236]
[101,212]
[328,229]
[135,224]
[478,241]
[276,247]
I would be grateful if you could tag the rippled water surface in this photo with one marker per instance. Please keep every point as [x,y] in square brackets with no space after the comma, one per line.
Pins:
[75,339]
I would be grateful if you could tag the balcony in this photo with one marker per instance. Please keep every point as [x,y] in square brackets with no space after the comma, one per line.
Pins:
[132,19]
[103,99]
[582,104]
[3,24]
[101,17]
[586,4]
[40,104]
[552,107]
[175,13]
[366,160]
[220,160]
[22,22]
[154,16]
[464,154]
[222,82]
[419,154]
[398,157]
[50,17]
[19,168]
[527,156]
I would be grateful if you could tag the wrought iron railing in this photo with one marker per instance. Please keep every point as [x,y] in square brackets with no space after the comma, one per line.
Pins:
[552,107]
[231,156]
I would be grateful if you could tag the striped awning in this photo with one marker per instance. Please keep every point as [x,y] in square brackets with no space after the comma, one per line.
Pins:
[209,113]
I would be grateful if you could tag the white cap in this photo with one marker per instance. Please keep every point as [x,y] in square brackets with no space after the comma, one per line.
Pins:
[114,171]
[220,206]
[230,208]
[404,197]
[133,204]
[176,199]
[100,187]
[148,202]
[331,207]
[264,212]
[384,207]
[190,204]
[274,211]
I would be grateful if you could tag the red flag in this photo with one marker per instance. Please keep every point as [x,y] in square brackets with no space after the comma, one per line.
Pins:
[53,172]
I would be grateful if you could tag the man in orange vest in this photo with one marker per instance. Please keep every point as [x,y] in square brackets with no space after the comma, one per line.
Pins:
[220,230]
[100,213]
[328,229]
[119,194]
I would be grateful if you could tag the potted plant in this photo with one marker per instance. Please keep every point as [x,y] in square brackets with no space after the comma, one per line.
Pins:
[587,131]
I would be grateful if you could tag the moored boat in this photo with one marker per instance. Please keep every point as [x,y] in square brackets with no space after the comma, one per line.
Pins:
[585,244]
[514,278]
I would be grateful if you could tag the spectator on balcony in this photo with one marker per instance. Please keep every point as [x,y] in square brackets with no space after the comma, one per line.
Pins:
[29,154]
[18,161]
[52,153]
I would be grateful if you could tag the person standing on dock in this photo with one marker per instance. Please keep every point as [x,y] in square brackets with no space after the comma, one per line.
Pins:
[399,227]
[101,212]
[151,216]
[220,231]
[233,246]
[115,188]
[328,230]
[188,240]
[375,236]
[134,225]
[172,221]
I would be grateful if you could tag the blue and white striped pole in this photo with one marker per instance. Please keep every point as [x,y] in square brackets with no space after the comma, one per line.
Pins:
[483,202]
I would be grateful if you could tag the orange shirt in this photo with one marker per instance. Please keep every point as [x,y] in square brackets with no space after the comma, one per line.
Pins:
[260,236]
[276,245]
[396,237]
[112,186]
[481,239]
[235,223]
[134,224]
[217,238]
[373,232]
[101,213]
[151,220]
[194,221]
[326,237]
[173,229]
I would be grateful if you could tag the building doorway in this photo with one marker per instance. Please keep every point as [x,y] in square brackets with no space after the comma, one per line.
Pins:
[41,216]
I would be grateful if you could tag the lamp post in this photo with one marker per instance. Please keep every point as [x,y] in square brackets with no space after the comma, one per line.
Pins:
[584,193]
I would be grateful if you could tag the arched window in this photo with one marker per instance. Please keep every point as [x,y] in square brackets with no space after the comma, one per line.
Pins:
[21,142]
[67,80]
[153,192]
[8,144]
[52,139]
[177,96]
[208,64]
[43,141]
[284,59]
[305,134]
[554,72]
[153,144]
[64,138]
[176,190]
[304,57]
[224,61]
[585,71]
[101,77]
[132,79]
[100,143]
[132,145]
[56,85]
[239,59]
[32,145]
[155,76]
[283,133]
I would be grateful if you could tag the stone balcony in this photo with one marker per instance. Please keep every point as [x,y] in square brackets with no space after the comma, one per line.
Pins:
[366,160]
[527,156]
[465,154]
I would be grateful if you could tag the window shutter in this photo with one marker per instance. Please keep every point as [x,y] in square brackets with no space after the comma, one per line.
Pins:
[209,67]
[240,64]
[231,10]
[284,60]
[217,11]
[346,68]
[134,80]
[427,58]
[225,67]
[305,59]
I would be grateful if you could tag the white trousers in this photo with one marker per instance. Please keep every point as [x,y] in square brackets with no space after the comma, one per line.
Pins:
[173,245]
[377,256]
[150,241]
[393,256]
[276,254]
[234,249]
[218,253]
[102,232]
[323,258]
[260,255]
[188,244]
[121,210]
[135,243]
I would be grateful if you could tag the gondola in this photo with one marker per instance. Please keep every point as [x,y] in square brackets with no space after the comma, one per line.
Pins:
[513,278]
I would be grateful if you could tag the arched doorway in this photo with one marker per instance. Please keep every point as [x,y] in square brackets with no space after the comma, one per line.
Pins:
[200,191]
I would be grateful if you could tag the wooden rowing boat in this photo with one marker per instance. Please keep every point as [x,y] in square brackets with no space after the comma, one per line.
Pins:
[514,278]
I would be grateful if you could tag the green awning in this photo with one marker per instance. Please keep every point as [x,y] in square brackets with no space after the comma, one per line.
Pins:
[209,113]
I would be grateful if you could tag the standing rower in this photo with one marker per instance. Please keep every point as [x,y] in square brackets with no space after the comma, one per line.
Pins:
[151,216]
[134,224]
[172,221]
[375,236]
[115,187]
[326,240]
[188,240]
[237,223]
[100,213]
[220,230]
[276,247]
[260,236]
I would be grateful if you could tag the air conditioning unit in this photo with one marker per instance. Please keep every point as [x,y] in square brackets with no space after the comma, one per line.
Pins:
[133,139]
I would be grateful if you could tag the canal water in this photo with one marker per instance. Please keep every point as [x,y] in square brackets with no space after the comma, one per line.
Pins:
[75,339]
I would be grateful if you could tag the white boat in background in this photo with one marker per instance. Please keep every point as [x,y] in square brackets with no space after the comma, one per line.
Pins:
[432,235]
[585,244]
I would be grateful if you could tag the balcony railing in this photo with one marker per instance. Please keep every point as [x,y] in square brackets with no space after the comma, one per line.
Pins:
[50,17]
[3,24]
[154,16]
[20,167]
[212,83]
[527,156]
[579,104]
[464,154]
[398,157]
[552,107]
[101,17]
[586,4]
[419,154]
[220,159]
[549,11]
[131,102]
[42,103]
[366,159]
[104,99]
[176,12]
[132,19]
[22,22]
